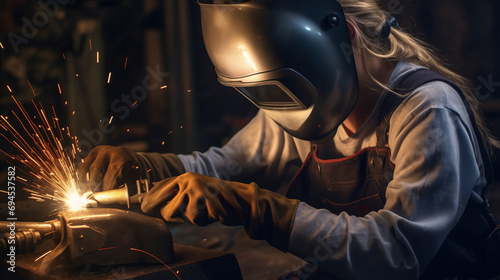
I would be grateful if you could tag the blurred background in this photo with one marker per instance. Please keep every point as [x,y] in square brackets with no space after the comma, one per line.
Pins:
[143,64]
[135,73]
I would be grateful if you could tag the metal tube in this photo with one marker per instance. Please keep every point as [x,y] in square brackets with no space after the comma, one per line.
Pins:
[27,235]
[43,228]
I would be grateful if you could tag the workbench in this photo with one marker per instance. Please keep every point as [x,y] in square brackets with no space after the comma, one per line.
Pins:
[189,263]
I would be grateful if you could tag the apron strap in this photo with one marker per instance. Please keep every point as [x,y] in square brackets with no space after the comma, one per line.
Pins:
[408,84]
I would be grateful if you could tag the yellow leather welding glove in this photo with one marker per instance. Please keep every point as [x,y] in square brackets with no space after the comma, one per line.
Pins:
[202,200]
[108,167]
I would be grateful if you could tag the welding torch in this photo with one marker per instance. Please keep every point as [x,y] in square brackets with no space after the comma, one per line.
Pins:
[27,235]
[125,195]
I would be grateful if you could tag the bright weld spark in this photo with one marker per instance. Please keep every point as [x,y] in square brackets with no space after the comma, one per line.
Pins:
[4,191]
[112,276]
[133,249]
[107,248]
[22,179]
[110,120]
[1,45]
[97,56]
[10,90]
[59,88]
[32,89]
[43,255]
[163,87]
[109,77]
[38,149]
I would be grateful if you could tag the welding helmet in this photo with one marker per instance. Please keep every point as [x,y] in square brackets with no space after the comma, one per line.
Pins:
[291,58]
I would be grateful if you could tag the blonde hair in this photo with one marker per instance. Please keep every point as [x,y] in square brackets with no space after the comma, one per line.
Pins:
[370,20]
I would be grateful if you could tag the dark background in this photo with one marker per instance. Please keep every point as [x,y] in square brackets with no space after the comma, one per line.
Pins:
[193,112]
[166,35]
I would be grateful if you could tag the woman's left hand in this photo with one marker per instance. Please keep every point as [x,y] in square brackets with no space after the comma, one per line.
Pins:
[202,200]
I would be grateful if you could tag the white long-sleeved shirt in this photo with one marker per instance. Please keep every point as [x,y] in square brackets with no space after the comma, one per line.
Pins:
[437,168]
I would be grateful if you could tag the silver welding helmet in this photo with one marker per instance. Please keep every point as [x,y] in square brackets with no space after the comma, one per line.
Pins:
[291,58]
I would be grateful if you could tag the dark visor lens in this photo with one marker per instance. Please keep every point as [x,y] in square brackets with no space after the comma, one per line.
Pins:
[268,96]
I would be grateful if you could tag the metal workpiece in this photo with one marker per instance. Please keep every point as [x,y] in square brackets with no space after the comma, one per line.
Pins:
[105,236]
[126,195]
[98,236]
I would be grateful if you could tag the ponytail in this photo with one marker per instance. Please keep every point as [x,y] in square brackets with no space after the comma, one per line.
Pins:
[399,45]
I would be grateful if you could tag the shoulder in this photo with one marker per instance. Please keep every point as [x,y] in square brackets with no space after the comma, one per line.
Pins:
[432,96]
[435,94]
[427,98]
[435,106]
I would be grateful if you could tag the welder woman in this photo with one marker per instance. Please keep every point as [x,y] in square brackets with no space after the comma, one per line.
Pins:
[389,161]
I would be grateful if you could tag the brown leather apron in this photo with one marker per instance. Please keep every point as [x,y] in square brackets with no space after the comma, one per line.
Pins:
[354,184]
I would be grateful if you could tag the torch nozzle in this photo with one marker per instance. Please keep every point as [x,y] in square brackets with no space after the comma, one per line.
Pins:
[125,195]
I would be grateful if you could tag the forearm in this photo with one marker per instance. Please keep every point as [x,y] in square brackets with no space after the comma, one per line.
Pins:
[348,247]
[261,152]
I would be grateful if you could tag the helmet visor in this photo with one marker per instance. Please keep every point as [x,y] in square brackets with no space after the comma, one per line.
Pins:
[273,95]
[280,89]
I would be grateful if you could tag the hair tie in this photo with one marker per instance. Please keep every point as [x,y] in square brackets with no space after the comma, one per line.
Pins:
[386,29]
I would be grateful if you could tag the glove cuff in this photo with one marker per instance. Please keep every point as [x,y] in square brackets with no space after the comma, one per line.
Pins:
[271,217]
[283,227]
[156,167]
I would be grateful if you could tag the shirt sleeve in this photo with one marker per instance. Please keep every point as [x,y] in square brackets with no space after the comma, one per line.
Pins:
[437,167]
[261,152]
